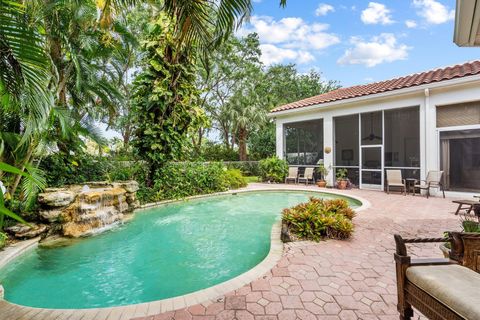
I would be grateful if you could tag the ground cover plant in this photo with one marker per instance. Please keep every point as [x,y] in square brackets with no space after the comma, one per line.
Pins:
[319,219]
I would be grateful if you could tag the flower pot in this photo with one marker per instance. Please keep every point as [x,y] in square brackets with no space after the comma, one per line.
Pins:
[322,183]
[342,184]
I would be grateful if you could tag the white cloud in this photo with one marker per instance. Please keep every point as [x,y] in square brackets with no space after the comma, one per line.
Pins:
[433,11]
[289,38]
[380,49]
[376,13]
[272,54]
[323,9]
[411,23]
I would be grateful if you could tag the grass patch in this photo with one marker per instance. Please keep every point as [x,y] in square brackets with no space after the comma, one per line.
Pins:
[252,179]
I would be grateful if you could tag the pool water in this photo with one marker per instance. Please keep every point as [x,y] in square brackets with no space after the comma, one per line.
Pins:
[163,252]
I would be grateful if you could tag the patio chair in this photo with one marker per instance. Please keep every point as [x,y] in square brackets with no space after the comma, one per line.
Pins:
[433,180]
[306,176]
[292,174]
[394,179]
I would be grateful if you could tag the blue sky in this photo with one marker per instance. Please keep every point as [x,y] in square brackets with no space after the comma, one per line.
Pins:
[357,42]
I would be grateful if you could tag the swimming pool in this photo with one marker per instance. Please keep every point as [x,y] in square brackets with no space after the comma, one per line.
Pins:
[163,252]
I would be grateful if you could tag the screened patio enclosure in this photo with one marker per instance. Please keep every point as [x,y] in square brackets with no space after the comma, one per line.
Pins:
[367,144]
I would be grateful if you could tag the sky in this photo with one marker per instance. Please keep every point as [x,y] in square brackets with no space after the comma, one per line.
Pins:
[357,42]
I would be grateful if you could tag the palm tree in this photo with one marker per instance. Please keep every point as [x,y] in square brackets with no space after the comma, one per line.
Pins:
[201,22]
[247,113]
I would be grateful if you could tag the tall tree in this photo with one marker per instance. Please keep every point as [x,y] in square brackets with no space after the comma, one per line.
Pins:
[234,66]
[166,101]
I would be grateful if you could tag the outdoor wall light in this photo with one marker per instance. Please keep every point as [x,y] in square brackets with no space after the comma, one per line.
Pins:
[327,150]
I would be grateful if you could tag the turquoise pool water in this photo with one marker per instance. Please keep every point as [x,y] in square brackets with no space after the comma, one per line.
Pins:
[163,252]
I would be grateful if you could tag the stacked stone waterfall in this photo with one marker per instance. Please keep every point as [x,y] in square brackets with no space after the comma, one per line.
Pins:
[82,211]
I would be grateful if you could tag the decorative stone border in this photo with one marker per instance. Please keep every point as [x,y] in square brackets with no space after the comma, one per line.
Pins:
[13,311]
[17,249]
[264,188]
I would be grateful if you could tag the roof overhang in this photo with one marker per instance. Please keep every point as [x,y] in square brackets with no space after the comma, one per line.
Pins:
[474,79]
[467,23]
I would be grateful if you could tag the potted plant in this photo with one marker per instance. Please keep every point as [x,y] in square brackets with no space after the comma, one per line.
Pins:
[323,173]
[470,225]
[342,178]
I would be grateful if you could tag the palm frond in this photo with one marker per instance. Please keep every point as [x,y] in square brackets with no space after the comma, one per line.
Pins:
[32,186]
[24,67]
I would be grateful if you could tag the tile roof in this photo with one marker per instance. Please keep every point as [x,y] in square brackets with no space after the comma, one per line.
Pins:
[457,71]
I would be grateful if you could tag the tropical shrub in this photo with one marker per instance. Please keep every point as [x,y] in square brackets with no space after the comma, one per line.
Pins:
[248,168]
[234,179]
[179,180]
[318,219]
[64,169]
[273,169]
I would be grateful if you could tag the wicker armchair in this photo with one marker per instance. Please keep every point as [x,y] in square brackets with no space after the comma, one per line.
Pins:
[440,288]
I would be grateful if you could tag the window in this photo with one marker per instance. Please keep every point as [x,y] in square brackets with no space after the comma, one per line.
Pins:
[460,159]
[304,142]
[402,138]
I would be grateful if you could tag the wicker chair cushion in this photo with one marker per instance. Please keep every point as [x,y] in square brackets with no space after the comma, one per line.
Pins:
[454,286]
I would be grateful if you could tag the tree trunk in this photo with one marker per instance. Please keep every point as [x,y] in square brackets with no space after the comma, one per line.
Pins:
[126,133]
[242,144]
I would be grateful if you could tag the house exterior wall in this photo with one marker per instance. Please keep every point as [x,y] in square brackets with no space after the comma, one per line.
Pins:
[427,98]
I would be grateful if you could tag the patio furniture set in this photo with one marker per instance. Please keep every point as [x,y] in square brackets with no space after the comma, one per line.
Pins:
[411,185]
[296,177]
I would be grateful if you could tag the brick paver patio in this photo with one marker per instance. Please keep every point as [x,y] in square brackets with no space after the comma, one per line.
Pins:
[351,279]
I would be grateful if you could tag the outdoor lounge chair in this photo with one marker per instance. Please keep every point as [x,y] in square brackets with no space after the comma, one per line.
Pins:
[433,180]
[292,174]
[306,176]
[394,179]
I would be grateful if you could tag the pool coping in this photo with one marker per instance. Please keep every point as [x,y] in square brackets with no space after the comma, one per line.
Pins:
[170,304]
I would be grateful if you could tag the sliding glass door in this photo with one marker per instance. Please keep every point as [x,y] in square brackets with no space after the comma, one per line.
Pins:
[460,159]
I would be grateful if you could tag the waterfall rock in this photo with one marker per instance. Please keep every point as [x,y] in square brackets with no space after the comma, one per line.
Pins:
[79,211]
[56,198]
[27,231]
[51,215]
[130,186]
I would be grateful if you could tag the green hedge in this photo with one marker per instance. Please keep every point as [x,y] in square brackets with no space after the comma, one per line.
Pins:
[63,169]
[248,168]
[173,181]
